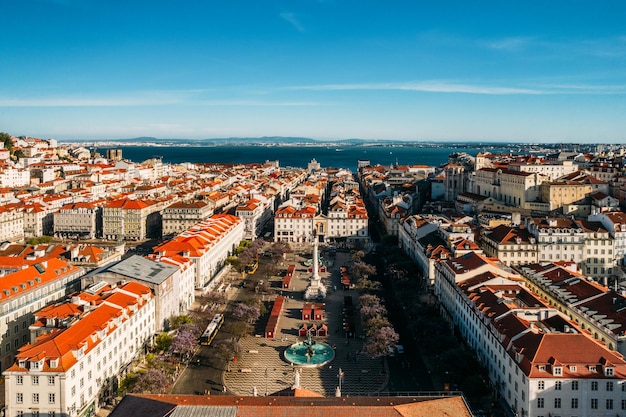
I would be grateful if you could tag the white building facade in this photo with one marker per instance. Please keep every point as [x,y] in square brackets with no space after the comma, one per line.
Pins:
[69,370]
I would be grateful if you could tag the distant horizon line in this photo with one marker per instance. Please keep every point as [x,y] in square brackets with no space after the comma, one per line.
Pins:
[301,139]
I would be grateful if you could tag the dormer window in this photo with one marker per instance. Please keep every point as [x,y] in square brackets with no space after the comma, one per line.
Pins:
[22,364]
[572,368]
[557,371]
[54,363]
[542,367]
[609,371]
[592,368]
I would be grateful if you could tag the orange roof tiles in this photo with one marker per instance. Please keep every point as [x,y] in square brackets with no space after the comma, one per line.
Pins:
[25,280]
[60,343]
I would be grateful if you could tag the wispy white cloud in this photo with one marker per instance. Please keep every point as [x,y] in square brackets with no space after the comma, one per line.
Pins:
[596,89]
[425,86]
[293,20]
[510,44]
[465,88]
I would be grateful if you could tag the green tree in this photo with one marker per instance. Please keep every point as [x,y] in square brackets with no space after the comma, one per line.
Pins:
[6,140]
[234,262]
[177,321]
[243,245]
[128,382]
[38,240]
[163,342]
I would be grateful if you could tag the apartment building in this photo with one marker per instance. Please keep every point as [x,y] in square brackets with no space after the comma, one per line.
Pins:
[514,188]
[615,223]
[127,219]
[600,261]
[593,307]
[27,290]
[295,224]
[14,177]
[164,281]
[347,219]
[551,171]
[511,245]
[539,362]
[74,363]
[38,219]
[77,220]
[255,213]
[561,193]
[207,245]
[11,223]
[182,215]
[558,238]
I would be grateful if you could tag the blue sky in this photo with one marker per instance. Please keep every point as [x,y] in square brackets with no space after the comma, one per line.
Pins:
[531,71]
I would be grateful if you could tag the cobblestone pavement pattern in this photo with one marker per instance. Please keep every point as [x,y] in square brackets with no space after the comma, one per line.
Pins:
[266,372]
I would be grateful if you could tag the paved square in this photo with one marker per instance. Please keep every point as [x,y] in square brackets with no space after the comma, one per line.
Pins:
[264,371]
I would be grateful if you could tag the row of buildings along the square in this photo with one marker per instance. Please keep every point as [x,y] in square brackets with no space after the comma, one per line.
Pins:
[63,349]
[328,205]
[76,315]
[524,256]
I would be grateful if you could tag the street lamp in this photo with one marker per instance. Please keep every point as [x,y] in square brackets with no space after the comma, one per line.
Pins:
[340,376]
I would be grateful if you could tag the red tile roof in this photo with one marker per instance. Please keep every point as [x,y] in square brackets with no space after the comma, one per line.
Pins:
[288,406]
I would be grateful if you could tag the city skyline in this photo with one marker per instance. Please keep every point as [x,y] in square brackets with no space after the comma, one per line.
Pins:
[488,71]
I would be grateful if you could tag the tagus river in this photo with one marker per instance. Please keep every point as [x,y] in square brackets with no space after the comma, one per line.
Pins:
[295,156]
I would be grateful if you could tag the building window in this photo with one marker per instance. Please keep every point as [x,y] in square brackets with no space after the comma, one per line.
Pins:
[540,402]
[51,398]
[50,380]
[52,413]
[541,385]
[19,380]
[594,403]
[594,385]
[609,386]
[557,403]
[557,385]
[574,402]
[623,404]
[36,398]
[609,404]
[19,398]
[574,385]
[35,380]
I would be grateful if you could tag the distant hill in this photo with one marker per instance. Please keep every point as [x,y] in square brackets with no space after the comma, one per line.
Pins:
[234,141]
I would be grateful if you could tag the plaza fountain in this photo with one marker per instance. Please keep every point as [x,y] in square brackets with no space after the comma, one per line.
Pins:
[309,353]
